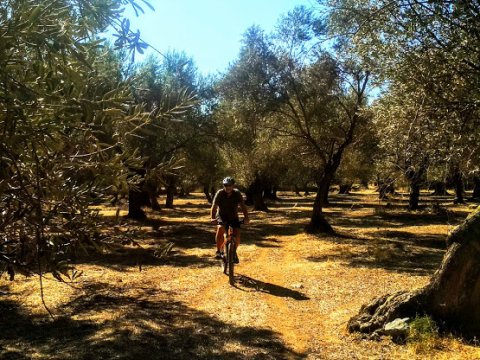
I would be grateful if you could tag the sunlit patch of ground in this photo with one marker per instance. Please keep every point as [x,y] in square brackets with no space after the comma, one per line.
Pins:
[293,296]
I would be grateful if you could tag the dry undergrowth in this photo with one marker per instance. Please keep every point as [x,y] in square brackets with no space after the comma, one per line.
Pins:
[294,292]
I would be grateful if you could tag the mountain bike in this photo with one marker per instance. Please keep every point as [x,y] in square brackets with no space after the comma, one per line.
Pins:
[228,260]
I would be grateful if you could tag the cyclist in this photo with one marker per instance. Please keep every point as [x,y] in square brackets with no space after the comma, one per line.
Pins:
[225,209]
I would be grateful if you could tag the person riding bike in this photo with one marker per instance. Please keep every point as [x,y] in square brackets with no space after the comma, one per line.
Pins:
[225,209]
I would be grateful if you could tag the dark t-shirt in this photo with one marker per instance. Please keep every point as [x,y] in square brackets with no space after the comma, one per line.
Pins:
[228,204]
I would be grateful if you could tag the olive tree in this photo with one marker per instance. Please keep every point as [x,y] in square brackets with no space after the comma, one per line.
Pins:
[247,94]
[64,118]
[167,89]
[427,54]
[322,100]
[423,52]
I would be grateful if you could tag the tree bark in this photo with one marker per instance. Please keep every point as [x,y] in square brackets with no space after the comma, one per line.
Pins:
[170,196]
[270,192]
[318,223]
[207,194]
[136,199]
[171,188]
[415,176]
[297,191]
[459,188]
[258,202]
[154,202]
[152,189]
[452,296]
[325,192]
[439,188]
[182,193]
[255,195]
[345,189]
[414,196]
[364,183]
[385,188]
[476,188]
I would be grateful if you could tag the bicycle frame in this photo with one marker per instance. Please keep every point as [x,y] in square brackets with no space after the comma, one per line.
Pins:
[228,262]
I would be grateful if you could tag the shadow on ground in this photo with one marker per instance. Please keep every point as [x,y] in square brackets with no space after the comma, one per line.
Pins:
[393,218]
[408,255]
[144,326]
[194,232]
[272,289]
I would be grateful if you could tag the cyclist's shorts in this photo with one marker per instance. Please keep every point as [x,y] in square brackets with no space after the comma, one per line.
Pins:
[235,224]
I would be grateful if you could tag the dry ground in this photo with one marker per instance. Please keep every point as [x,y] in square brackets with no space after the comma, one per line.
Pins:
[294,292]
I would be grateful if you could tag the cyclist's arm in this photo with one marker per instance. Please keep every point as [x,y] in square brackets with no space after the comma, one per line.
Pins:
[246,220]
[213,211]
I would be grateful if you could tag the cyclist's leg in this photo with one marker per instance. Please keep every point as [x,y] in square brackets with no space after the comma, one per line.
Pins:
[236,233]
[220,239]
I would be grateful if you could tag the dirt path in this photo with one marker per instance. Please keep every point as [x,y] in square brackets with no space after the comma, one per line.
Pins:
[305,288]
[261,296]
[286,283]
[293,295]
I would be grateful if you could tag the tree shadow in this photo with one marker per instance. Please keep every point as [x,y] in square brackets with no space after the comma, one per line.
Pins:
[180,259]
[153,235]
[387,258]
[125,258]
[268,242]
[292,201]
[191,235]
[410,257]
[268,288]
[294,214]
[393,218]
[195,233]
[411,262]
[191,205]
[429,241]
[263,231]
[107,323]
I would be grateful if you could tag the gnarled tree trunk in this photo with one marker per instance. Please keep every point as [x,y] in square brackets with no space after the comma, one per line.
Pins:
[318,223]
[255,195]
[415,176]
[451,298]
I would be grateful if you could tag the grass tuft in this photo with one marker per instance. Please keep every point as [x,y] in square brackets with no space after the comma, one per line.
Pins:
[423,336]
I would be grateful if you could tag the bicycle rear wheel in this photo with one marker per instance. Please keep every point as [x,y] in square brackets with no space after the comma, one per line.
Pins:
[231,263]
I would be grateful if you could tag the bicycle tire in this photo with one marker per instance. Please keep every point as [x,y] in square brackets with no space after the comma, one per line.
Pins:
[231,262]
[225,259]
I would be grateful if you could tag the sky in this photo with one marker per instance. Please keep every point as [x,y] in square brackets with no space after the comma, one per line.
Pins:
[207,30]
